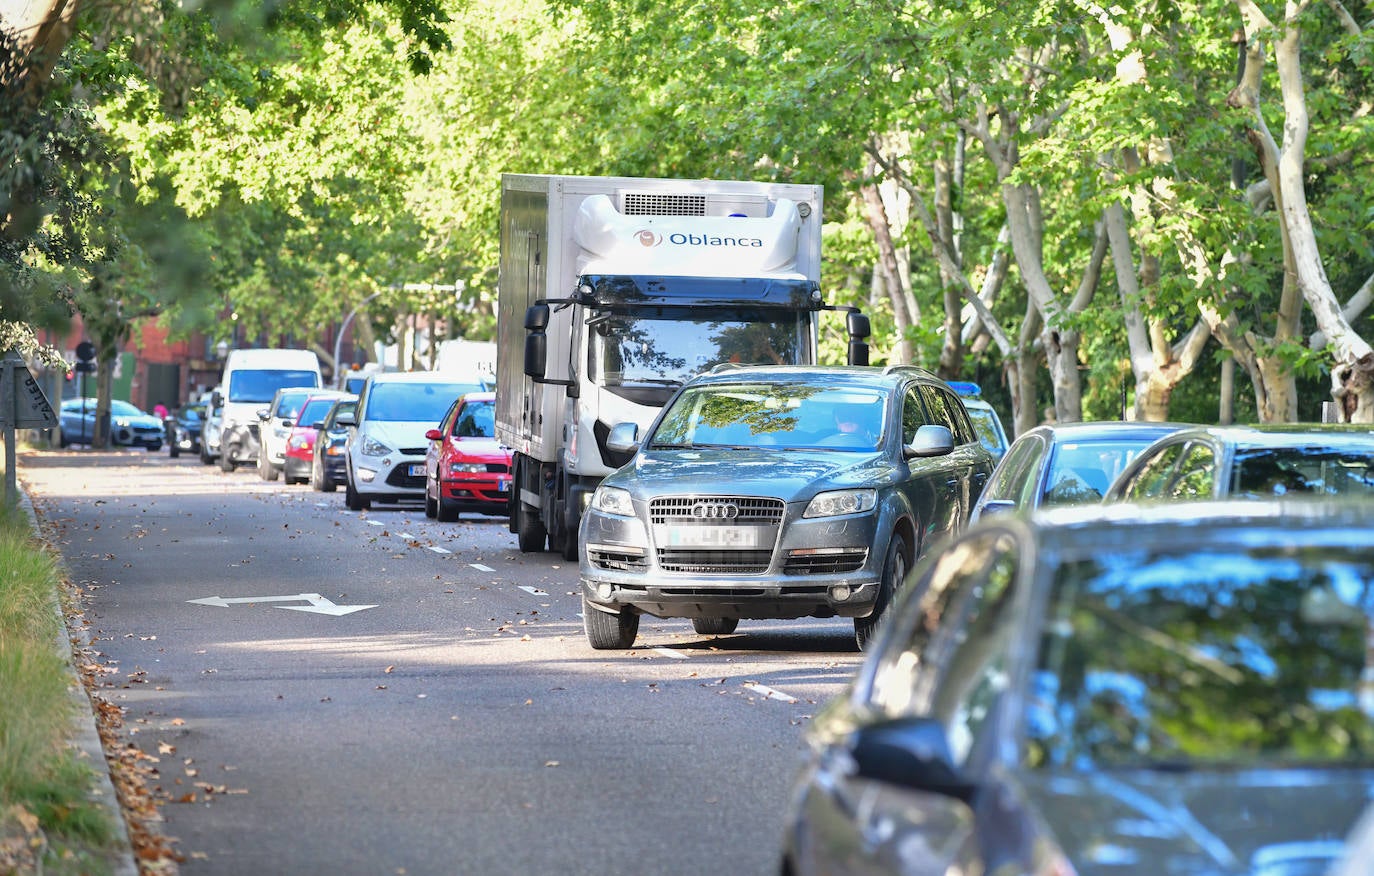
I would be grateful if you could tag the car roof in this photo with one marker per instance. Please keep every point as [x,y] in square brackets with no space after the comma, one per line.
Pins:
[819,375]
[1102,430]
[478,396]
[1125,526]
[1285,434]
[424,377]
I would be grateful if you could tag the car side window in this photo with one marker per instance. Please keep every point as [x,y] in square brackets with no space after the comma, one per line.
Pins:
[913,414]
[1196,474]
[957,601]
[946,410]
[1014,479]
[1152,477]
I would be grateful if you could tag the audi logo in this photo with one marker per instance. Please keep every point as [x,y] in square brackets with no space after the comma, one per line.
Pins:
[715,510]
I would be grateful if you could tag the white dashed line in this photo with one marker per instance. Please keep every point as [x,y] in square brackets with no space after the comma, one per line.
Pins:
[668,652]
[439,550]
[404,535]
[481,568]
[768,693]
[375,523]
[532,591]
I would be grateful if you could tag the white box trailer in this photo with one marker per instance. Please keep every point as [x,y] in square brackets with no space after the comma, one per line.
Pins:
[615,290]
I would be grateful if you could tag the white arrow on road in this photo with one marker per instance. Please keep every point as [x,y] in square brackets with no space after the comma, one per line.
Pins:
[318,604]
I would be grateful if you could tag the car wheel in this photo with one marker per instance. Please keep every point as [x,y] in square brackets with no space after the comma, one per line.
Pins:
[174,450]
[445,512]
[205,457]
[316,475]
[609,632]
[226,458]
[894,573]
[431,504]
[715,626]
[62,439]
[353,501]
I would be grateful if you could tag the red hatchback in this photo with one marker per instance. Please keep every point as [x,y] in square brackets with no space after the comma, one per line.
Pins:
[466,468]
[299,461]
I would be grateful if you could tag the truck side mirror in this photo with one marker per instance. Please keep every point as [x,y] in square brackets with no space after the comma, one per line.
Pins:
[216,400]
[536,342]
[859,330]
[624,438]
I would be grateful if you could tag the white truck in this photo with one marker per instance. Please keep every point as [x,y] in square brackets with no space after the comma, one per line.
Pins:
[251,378]
[613,291]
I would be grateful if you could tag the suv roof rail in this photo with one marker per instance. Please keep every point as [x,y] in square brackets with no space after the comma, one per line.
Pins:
[905,369]
[727,366]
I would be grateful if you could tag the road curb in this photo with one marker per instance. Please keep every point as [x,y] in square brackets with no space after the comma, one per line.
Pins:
[85,735]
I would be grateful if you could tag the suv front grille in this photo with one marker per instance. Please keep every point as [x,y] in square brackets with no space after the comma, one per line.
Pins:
[826,563]
[751,509]
[628,560]
[711,562]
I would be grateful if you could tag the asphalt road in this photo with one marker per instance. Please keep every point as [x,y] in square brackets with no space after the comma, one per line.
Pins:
[433,708]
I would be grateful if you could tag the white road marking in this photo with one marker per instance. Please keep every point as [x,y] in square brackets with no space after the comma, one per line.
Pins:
[532,591]
[481,568]
[375,523]
[768,693]
[668,652]
[404,535]
[439,550]
[318,604]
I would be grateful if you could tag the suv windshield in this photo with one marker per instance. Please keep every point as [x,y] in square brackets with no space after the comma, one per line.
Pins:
[662,347]
[786,416]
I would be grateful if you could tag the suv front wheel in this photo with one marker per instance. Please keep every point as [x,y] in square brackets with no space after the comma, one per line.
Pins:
[609,632]
[894,573]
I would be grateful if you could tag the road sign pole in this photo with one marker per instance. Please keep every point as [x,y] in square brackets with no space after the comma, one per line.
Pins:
[11,416]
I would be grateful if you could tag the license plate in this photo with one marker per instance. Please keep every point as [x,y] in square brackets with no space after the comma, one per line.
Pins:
[502,485]
[711,536]
[417,470]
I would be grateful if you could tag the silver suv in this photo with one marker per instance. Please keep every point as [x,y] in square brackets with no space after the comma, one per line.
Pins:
[777,492]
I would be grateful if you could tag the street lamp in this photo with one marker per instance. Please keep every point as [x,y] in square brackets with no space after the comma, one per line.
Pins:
[343,329]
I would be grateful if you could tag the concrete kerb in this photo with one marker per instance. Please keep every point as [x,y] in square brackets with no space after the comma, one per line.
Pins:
[86,737]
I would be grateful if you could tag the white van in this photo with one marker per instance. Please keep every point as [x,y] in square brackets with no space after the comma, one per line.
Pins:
[385,453]
[251,378]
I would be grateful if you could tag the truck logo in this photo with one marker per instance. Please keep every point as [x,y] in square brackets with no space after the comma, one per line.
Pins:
[648,238]
[715,510]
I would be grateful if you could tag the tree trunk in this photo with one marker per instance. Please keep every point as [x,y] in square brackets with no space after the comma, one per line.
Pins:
[887,272]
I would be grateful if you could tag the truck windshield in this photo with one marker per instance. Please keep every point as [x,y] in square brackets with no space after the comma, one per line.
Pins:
[261,385]
[667,348]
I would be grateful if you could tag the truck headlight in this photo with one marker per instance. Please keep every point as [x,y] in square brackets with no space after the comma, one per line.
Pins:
[613,500]
[836,502]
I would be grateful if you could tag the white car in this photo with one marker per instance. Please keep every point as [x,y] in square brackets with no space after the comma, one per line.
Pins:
[386,448]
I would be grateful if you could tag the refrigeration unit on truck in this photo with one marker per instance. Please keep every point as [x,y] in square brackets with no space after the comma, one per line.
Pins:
[613,291]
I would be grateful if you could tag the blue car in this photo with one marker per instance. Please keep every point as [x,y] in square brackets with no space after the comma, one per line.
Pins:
[129,426]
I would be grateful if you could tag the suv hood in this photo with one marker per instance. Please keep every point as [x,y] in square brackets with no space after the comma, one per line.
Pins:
[791,475]
[398,434]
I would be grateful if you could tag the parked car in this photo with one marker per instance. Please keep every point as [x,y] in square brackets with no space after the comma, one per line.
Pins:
[1249,461]
[184,428]
[274,427]
[330,450]
[985,418]
[298,460]
[129,425]
[777,492]
[1066,463]
[466,468]
[1107,689]
[385,451]
[210,431]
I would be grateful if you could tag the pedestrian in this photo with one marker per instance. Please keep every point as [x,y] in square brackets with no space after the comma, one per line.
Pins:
[160,411]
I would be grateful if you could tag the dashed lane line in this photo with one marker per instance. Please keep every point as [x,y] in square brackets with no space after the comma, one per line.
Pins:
[769,693]
[481,568]
[532,591]
[439,550]
[668,652]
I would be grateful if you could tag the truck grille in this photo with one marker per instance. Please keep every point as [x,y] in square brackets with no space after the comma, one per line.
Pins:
[660,204]
[749,509]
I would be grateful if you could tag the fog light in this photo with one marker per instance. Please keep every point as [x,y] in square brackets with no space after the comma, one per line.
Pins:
[840,592]
[604,591]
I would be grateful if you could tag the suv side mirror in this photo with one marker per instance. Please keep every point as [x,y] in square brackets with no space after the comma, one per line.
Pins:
[911,753]
[624,438]
[930,441]
[264,414]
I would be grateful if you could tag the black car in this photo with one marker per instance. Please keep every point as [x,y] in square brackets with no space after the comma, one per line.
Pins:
[1108,689]
[1066,463]
[184,428]
[330,469]
[777,492]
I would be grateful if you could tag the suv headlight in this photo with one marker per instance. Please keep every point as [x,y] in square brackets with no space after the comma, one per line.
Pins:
[836,502]
[373,447]
[613,500]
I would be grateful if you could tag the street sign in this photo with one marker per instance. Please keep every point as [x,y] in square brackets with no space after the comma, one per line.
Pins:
[30,407]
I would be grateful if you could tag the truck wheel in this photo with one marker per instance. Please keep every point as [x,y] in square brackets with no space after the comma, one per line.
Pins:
[529,529]
[609,632]
[715,626]
[226,458]
[894,573]
[571,520]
